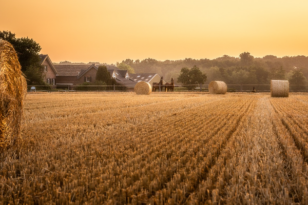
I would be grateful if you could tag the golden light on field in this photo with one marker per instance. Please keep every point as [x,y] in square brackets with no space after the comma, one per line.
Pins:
[110,31]
[161,148]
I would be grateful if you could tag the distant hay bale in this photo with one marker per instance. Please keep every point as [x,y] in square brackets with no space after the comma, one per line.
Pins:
[13,88]
[217,87]
[279,88]
[143,88]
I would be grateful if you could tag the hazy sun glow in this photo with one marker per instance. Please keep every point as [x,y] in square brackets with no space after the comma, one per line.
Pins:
[111,31]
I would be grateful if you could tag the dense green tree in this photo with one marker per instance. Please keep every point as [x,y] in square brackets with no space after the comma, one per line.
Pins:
[278,73]
[184,76]
[261,74]
[128,61]
[197,76]
[28,56]
[215,73]
[240,76]
[149,61]
[269,57]
[103,75]
[124,66]
[34,76]
[297,80]
[252,77]
[243,76]
[223,74]
[246,58]
[191,77]
[8,36]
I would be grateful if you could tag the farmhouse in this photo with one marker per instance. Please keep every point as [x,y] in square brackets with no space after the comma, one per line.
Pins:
[49,71]
[76,74]
[69,74]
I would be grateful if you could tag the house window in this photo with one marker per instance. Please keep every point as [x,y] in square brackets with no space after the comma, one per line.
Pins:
[88,79]
[48,81]
[45,68]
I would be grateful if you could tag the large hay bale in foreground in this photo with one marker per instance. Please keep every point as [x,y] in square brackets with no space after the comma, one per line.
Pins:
[143,88]
[217,87]
[279,88]
[13,88]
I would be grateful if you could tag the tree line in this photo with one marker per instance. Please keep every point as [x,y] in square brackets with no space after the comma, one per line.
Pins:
[245,69]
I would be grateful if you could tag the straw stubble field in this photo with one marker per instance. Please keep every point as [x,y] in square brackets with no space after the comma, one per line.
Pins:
[122,148]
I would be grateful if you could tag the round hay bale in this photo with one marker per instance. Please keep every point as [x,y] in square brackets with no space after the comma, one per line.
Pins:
[13,88]
[217,87]
[279,88]
[143,88]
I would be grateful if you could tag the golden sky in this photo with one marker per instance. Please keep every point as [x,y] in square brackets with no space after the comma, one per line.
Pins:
[113,30]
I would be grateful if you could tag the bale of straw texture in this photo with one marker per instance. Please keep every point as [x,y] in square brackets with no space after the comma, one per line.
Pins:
[279,88]
[217,87]
[13,88]
[143,88]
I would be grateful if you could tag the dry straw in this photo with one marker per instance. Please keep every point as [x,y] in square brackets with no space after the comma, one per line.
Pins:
[143,88]
[13,88]
[217,87]
[279,88]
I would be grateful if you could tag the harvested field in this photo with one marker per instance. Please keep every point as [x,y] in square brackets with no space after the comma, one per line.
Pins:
[123,148]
